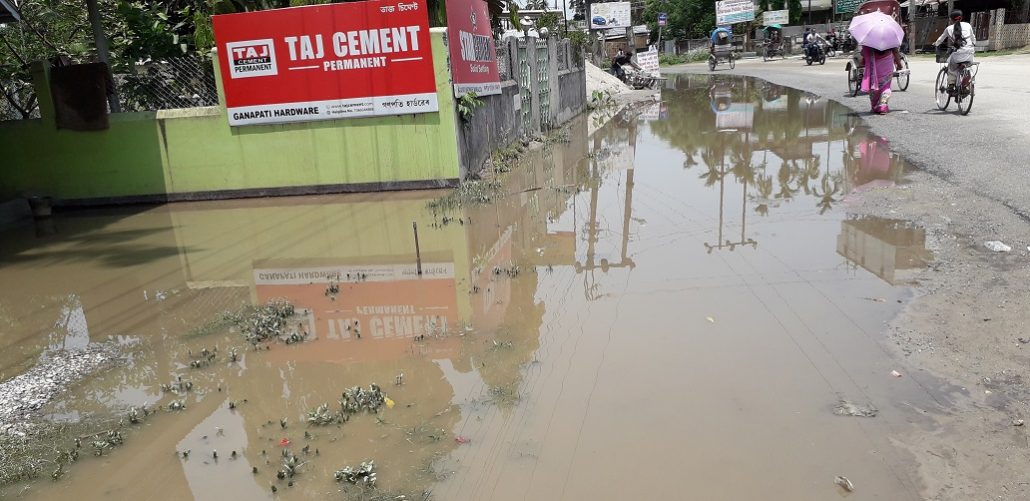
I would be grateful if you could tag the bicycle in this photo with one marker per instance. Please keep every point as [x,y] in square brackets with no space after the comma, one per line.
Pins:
[856,72]
[964,89]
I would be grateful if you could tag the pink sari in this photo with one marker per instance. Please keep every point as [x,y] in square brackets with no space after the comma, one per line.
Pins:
[879,71]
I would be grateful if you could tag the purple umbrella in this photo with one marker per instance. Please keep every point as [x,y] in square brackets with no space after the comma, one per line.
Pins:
[876,30]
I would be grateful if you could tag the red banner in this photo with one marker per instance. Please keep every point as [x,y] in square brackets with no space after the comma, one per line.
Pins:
[473,57]
[326,62]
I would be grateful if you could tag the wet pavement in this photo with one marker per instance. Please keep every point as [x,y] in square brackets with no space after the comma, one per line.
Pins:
[670,307]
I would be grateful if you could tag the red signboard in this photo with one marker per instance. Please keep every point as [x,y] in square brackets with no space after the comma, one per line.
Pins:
[325,62]
[473,58]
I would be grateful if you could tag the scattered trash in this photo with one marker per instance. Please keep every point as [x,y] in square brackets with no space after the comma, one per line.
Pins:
[1017,422]
[389,403]
[284,442]
[460,440]
[320,416]
[365,474]
[710,320]
[846,408]
[844,483]
[987,392]
[997,246]
[895,373]
[1024,340]
[875,299]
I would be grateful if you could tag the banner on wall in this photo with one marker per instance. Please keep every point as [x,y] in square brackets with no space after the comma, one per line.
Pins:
[609,15]
[325,62]
[734,11]
[473,57]
[771,17]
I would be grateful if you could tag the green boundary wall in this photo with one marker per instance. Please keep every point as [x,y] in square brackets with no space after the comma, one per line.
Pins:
[193,153]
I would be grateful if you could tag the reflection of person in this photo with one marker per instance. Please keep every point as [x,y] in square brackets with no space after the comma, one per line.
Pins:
[874,164]
[961,39]
[879,73]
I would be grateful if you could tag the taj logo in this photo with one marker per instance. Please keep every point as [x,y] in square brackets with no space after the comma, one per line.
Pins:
[252,58]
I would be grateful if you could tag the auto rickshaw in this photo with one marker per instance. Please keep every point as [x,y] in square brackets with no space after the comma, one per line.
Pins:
[721,49]
[855,69]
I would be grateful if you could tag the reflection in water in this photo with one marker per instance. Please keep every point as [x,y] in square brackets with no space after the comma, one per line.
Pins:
[580,323]
[886,248]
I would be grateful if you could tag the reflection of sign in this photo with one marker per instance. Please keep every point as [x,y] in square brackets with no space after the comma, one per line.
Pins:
[775,17]
[379,302]
[848,6]
[656,111]
[737,116]
[326,62]
[663,19]
[609,15]
[734,11]
[473,58]
[648,61]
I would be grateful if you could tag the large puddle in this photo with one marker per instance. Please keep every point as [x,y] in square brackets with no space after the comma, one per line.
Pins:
[670,308]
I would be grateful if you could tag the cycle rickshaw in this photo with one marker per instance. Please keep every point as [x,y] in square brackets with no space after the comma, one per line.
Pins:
[773,45]
[722,48]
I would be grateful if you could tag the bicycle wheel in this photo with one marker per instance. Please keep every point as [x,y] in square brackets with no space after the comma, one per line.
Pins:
[711,63]
[903,78]
[733,62]
[965,103]
[940,92]
[854,84]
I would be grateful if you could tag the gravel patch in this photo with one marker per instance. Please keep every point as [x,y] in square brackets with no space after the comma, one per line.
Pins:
[23,395]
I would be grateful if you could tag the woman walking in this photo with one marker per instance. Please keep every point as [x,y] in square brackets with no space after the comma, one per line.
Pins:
[879,73]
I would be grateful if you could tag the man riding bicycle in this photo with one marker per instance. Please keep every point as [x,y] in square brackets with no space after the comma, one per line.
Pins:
[962,42]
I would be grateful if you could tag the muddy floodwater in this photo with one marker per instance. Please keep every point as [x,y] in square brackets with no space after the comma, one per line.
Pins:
[669,304]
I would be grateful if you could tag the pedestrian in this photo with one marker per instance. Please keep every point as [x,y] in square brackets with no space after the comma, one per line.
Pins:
[879,74]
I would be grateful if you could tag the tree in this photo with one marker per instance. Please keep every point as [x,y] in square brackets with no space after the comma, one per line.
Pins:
[687,18]
[796,11]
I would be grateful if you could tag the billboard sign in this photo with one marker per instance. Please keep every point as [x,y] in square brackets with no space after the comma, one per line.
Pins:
[648,61]
[847,6]
[734,11]
[609,15]
[473,57]
[771,17]
[663,19]
[325,62]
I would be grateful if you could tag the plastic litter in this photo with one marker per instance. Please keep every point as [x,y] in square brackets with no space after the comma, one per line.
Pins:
[461,440]
[895,373]
[844,483]
[997,246]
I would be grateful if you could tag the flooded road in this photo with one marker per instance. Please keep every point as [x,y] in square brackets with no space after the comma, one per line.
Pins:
[672,307]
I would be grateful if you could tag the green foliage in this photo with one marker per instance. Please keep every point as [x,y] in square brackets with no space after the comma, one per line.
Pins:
[467,104]
[550,21]
[687,18]
[796,11]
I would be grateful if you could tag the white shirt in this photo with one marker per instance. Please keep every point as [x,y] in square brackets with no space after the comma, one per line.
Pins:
[968,38]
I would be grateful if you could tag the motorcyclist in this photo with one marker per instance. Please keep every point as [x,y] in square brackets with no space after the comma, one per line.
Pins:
[622,58]
[812,42]
[961,39]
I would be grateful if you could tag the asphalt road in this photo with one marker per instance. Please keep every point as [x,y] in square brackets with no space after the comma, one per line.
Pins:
[984,152]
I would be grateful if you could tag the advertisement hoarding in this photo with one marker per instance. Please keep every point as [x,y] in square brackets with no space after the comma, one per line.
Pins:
[847,6]
[648,61]
[326,62]
[781,17]
[734,11]
[473,57]
[609,15]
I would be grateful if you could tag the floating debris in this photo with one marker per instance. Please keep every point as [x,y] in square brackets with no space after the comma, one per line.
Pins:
[137,414]
[180,385]
[177,405]
[358,399]
[110,440]
[895,373]
[263,323]
[363,475]
[1017,422]
[321,416]
[846,408]
[460,440]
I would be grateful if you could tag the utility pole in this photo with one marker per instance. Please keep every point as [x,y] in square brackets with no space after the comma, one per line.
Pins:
[810,12]
[103,53]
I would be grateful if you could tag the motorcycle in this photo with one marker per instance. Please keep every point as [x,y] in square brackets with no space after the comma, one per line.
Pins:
[814,53]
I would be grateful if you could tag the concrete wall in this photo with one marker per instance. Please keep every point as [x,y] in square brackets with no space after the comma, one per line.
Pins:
[500,121]
[1006,36]
[193,153]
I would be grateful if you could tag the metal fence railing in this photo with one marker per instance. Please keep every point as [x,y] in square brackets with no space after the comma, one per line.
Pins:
[182,82]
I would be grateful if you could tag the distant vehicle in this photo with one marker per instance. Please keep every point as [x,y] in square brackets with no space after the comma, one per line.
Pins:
[599,21]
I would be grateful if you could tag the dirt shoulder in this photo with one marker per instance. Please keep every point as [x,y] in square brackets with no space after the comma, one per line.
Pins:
[964,326]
